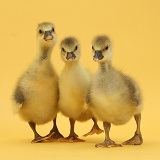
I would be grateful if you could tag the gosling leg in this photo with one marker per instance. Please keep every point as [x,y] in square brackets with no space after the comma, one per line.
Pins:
[54,134]
[37,137]
[73,137]
[107,142]
[137,138]
[95,129]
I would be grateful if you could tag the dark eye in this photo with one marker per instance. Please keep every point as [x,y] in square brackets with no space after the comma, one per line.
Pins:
[106,48]
[76,48]
[92,48]
[40,31]
[52,29]
[63,49]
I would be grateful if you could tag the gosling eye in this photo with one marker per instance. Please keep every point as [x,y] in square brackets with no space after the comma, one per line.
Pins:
[52,29]
[63,49]
[40,31]
[106,48]
[93,48]
[76,48]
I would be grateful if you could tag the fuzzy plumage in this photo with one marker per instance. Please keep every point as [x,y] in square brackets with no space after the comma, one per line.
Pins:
[113,97]
[73,83]
[36,94]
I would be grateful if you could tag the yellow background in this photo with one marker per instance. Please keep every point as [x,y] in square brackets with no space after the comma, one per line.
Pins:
[133,26]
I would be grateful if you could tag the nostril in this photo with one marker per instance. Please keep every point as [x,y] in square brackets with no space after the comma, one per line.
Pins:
[48,35]
[98,55]
[70,56]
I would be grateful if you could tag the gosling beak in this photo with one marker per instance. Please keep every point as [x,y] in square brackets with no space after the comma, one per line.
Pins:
[48,35]
[98,55]
[70,56]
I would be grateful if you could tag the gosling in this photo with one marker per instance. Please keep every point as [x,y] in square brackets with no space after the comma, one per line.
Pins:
[36,94]
[113,97]
[73,83]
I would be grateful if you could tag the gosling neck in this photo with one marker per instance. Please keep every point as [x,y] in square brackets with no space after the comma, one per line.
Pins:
[105,66]
[44,53]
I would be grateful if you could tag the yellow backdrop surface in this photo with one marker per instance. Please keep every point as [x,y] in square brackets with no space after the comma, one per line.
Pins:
[133,26]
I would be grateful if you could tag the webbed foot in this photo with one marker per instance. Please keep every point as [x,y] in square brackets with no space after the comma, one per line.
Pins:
[74,139]
[108,144]
[135,140]
[94,130]
[41,139]
[54,137]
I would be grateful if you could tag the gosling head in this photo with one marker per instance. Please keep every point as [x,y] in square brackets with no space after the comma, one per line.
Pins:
[70,50]
[101,49]
[46,35]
